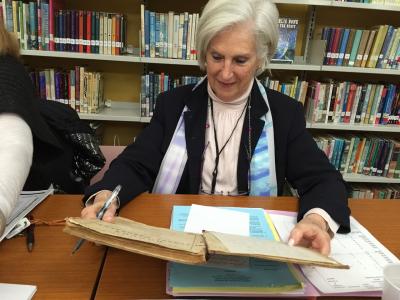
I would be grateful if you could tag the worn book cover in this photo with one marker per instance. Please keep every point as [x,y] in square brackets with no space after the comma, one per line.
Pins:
[189,248]
[288,28]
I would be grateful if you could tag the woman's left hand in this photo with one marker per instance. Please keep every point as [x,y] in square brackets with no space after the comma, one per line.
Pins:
[311,232]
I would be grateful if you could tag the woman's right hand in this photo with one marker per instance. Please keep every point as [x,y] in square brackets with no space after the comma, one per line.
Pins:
[90,211]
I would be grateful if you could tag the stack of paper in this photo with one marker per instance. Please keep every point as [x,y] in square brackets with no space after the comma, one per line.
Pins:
[17,291]
[233,275]
[365,255]
[26,202]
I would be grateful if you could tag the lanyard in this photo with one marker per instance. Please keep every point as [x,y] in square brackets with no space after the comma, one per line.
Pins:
[217,150]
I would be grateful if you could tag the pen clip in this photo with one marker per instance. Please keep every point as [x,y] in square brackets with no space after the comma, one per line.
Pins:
[108,202]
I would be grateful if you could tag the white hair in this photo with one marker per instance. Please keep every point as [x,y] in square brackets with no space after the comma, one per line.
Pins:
[218,15]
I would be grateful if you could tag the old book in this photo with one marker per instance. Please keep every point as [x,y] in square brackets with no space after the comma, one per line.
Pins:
[189,248]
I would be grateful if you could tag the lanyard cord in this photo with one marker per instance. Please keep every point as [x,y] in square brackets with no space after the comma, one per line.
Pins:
[217,151]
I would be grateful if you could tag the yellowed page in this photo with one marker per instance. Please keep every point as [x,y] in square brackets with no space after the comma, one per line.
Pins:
[222,243]
[128,229]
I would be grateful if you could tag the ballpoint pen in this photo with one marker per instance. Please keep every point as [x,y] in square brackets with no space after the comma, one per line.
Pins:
[100,214]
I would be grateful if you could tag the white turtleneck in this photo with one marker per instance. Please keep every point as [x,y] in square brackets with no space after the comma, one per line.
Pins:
[226,115]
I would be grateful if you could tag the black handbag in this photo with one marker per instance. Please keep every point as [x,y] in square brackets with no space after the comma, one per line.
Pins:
[65,122]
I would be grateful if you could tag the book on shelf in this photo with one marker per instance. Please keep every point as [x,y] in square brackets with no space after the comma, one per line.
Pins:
[353,103]
[167,35]
[153,84]
[294,88]
[78,88]
[335,46]
[361,49]
[189,248]
[47,25]
[288,29]
[342,47]
[376,47]
[375,191]
[364,154]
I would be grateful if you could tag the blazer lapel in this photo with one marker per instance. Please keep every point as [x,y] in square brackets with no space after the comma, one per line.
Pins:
[195,121]
[257,110]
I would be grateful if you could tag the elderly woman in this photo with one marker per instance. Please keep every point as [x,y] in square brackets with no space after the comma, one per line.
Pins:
[229,134]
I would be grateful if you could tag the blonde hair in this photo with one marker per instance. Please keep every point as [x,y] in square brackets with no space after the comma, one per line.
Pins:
[219,15]
[8,42]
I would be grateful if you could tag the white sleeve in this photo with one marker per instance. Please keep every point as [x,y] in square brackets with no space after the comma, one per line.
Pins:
[332,224]
[16,150]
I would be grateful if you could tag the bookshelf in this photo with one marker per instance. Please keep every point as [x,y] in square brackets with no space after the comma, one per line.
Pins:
[118,112]
[354,127]
[369,179]
[122,73]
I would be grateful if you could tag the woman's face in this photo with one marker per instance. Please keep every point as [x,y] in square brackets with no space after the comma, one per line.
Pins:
[231,61]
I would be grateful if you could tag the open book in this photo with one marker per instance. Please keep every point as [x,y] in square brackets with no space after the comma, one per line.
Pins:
[189,248]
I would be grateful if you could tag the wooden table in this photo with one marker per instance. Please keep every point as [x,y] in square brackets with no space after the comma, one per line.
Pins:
[50,266]
[127,275]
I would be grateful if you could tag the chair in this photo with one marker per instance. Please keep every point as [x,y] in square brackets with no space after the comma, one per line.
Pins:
[109,152]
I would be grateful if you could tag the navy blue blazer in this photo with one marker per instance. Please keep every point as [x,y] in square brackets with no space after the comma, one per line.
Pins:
[297,157]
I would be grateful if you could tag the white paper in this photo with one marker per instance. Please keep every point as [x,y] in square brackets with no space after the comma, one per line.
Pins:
[26,202]
[217,219]
[17,291]
[365,255]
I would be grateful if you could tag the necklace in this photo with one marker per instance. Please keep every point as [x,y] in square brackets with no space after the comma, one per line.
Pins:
[217,150]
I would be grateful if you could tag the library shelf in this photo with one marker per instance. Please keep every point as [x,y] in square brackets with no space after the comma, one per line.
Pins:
[304,2]
[78,55]
[369,179]
[332,3]
[354,127]
[298,67]
[169,61]
[183,62]
[325,68]
[119,111]
[365,6]
[150,60]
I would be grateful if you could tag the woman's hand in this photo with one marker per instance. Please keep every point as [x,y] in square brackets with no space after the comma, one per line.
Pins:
[90,211]
[312,232]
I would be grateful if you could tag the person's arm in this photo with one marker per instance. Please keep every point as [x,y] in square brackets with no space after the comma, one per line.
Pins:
[309,171]
[136,168]
[318,184]
[16,150]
